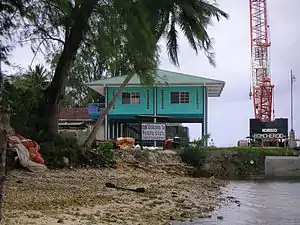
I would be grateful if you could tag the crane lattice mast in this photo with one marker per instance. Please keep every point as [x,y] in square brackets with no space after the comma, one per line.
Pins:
[262,88]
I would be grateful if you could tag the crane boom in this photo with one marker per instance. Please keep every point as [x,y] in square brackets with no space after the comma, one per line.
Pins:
[264,129]
[262,88]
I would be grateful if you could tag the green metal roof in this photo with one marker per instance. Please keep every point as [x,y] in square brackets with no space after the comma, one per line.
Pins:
[164,77]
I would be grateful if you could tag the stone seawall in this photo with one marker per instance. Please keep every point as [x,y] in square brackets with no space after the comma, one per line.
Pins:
[231,165]
[282,167]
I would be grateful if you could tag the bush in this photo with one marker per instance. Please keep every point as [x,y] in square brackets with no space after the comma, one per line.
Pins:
[255,150]
[104,149]
[106,145]
[55,147]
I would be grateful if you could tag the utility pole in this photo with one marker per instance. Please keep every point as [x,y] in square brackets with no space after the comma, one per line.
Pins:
[293,79]
[292,138]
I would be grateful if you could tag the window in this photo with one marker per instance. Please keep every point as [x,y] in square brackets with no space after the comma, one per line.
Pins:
[125,98]
[135,98]
[180,97]
[131,98]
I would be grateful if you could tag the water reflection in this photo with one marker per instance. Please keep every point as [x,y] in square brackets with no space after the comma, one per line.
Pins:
[261,203]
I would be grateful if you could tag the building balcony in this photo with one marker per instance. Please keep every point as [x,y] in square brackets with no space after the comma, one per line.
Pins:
[95,110]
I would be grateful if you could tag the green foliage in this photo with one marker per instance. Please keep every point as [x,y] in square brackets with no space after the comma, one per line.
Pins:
[104,150]
[106,145]
[115,44]
[253,150]
[200,142]
[22,94]
[11,12]
[55,147]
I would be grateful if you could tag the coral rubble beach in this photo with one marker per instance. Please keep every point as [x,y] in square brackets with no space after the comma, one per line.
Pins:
[79,196]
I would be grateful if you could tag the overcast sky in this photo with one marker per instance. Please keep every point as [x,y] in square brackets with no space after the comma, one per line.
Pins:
[229,115]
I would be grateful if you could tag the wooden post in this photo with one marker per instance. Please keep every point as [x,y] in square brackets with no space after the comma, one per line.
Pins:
[4,129]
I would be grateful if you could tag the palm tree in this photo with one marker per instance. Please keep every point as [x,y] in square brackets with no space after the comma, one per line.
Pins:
[36,78]
[166,18]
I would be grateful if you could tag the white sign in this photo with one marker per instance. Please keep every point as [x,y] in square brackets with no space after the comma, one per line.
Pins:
[269,130]
[153,131]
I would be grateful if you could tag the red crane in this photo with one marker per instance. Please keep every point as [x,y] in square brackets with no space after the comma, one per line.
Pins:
[262,88]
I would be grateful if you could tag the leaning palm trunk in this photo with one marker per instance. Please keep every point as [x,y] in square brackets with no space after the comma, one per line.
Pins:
[89,141]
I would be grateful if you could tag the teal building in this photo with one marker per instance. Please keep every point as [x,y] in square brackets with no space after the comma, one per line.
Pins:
[176,97]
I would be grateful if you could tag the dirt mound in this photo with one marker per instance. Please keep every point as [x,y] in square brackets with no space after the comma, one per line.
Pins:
[147,157]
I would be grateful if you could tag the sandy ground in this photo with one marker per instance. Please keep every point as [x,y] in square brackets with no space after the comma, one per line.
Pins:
[79,197]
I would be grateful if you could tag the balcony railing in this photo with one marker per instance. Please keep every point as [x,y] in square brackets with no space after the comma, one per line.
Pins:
[95,110]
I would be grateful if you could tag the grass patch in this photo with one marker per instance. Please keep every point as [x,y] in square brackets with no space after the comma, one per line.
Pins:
[254,150]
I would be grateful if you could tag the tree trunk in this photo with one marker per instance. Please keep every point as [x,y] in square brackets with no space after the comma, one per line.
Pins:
[55,92]
[4,128]
[89,141]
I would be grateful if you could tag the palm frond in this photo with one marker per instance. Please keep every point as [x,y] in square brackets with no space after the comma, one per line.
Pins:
[172,42]
[188,24]
[194,17]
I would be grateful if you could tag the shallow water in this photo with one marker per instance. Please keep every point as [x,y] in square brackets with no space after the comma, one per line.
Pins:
[258,203]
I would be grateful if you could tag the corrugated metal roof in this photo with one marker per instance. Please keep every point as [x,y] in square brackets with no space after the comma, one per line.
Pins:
[162,77]
[74,114]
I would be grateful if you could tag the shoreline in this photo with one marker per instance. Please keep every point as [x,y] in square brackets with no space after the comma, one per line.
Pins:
[79,196]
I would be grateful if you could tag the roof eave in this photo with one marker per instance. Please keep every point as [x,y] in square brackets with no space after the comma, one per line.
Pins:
[169,84]
[217,91]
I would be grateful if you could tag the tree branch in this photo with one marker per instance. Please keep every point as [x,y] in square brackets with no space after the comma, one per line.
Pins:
[48,35]
[35,54]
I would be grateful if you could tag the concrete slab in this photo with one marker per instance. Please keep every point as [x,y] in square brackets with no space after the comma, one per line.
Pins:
[282,166]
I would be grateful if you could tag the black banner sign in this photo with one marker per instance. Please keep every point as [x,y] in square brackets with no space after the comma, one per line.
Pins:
[277,129]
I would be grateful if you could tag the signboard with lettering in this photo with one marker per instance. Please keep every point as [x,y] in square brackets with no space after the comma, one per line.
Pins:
[277,129]
[153,131]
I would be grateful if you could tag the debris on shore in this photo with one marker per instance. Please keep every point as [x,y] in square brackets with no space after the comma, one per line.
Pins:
[93,196]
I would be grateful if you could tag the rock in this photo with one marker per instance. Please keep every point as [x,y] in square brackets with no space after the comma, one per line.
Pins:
[220,217]
[181,200]
[60,221]
[140,190]
[66,160]
[184,215]
[172,218]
